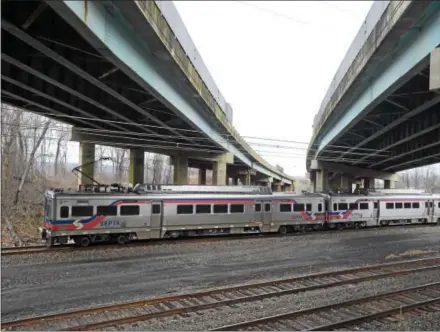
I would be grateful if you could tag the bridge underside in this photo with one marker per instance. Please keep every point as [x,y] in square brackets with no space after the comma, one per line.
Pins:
[48,68]
[402,131]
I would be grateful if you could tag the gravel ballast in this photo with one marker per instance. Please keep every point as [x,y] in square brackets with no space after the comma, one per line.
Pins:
[47,283]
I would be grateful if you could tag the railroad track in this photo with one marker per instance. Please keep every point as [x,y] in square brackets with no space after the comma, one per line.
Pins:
[420,299]
[132,312]
[65,248]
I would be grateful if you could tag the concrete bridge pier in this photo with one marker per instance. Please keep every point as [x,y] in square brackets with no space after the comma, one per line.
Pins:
[368,183]
[180,167]
[202,176]
[321,180]
[388,184]
[287,187]
[276,186]
[434,70]
[137,166]
[86,155]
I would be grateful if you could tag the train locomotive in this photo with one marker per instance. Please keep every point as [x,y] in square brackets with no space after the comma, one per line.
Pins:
[97,214]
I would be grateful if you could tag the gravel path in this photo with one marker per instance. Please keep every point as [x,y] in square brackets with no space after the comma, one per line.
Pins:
[46,283]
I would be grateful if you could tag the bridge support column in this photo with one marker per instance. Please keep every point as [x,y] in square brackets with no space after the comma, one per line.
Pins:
[219,175]
[388,184]
[136,167]
[321,180]
[434,71]
[245,179]
[276,186]
[180,165]
[368,183]
[202,176]
[287,187]
[347,183]
[86,155]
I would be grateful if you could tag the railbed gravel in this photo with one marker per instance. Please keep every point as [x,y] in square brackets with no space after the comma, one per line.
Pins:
[217,264]
[212,318]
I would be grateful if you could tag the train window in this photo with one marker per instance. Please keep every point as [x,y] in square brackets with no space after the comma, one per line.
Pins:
[258,207]
[439,205]
[285,207]
[129,210]
[375,205]
[64,212]
[237,208]
[415,205]
[309,207]
[353,206]
[298,207]
[156,209]
[407,205]
[203,208]
[220,208]
[82,211]
[335,207]
[399,205]
[390,205]
[106,210]
[185,209]
[363,206]
[343,206]
[267,207]
[319,207]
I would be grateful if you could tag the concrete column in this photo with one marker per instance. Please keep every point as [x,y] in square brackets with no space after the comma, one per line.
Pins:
[346,183]
[369,183]
[276,186]
[388,184]
[86,155]
[202,176]
[322,180]
[245,179]
[180,165]
[136,167]
[434,70]
[219,173]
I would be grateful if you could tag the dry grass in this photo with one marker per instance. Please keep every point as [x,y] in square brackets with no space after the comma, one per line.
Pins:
[411,253]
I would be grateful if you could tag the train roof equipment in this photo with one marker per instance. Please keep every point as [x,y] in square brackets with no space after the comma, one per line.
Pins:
[200,189]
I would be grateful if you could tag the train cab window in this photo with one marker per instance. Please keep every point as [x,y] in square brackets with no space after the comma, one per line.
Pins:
[220,208]
[363,206]
[156,209]
[106,210]
[129,210]
[185,209]
[82,211]
[335,207]
[399,206]
[375,205]
[353,206]
[390,205]
[298,207]
[342,206]
[64,212]
[319,207]
[266,207]
[258,207]
[203,208]
[407,205]
[309,207]
[285,207]
[415,205]
[236,208]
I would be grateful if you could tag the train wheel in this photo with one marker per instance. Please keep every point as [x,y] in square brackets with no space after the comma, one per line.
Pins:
[83,241]
[122,239]
[357,225]
[282,230]
[49,241]
[340,226]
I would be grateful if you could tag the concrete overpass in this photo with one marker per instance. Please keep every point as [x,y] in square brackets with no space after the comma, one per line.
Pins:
[125,73]
[381,113]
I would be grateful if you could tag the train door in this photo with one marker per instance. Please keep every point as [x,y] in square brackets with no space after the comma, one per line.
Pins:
[156,220]
[376,210]
[429,210]
[266,209]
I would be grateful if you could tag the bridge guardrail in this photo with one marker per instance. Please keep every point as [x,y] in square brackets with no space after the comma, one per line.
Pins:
[154,17]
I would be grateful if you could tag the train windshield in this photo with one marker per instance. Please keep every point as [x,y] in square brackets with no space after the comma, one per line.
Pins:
[47,208]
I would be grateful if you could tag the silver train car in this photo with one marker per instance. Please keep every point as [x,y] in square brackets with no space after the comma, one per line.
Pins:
[155,212]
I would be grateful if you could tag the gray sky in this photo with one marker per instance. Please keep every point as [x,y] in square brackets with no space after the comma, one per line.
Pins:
[273,62]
